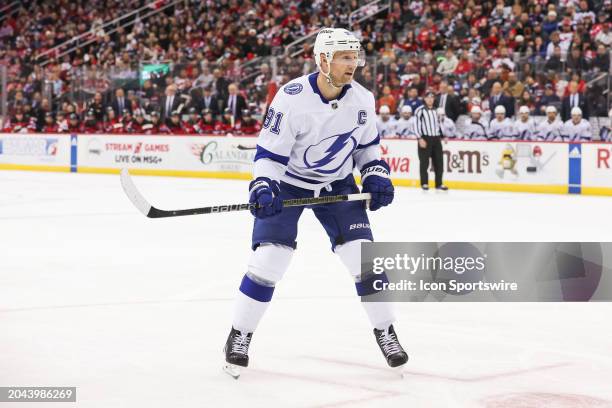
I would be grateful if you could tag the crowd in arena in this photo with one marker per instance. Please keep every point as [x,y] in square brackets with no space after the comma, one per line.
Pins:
[535,55]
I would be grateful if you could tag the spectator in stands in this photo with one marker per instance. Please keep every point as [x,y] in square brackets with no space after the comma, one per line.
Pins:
[576,61]
[550,98]
[413,100]
[601,62]
[498,98]
[448,101]
[448,65]
[388,99]
[513,86]
[235,102]
[220,84]
[555,62]
[572,100]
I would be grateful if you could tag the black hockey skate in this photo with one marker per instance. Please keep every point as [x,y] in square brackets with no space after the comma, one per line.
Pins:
[390,347]
[236,352]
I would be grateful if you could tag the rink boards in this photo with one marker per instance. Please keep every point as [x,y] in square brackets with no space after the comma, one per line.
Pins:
[543,167]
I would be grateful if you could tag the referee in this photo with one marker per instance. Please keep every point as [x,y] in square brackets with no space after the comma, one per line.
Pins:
[429,134]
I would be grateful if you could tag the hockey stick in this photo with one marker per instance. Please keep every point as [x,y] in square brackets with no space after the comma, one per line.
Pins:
[147,209]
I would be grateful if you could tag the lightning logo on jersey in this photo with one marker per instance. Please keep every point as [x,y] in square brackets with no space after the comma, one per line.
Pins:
[343,143]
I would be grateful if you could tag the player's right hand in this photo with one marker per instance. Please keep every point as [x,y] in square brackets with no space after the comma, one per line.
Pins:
[422,143]
[266,194]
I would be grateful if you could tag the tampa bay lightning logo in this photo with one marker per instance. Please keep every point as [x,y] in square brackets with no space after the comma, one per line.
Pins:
[293,89]
[330,154]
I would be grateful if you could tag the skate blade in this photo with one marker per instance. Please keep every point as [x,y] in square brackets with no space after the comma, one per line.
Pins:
[233,370]
[400,371]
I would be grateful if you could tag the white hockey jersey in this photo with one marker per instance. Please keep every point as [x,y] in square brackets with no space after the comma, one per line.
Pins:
[525,130]
[549,131]
[502,130]
[406,128]
[386,129]
[475,130]
[576,133]
[308,141]
[448,128]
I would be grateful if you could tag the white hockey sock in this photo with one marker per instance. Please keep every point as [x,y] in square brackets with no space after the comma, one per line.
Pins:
[247,313]
[381,314]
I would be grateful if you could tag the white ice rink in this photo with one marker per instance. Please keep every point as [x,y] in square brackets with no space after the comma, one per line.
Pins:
[134,312]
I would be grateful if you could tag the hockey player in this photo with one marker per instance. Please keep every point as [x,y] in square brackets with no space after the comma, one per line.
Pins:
[73,123]
[475,128]
[207,123]
[190,126]
[19,123]
[248,125]
[549,130]
[405,126]
[385,123]
[226,124]
[49,126]
[111,123]
[524,125]
[605,132]
[127,120]
[449,130]
[317,129]
[139,124]
[174,127]
[62,122]
[90,124]
[152,128]
[501,127]
[577,129]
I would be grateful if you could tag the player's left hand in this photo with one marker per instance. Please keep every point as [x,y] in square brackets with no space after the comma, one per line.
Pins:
[375,180]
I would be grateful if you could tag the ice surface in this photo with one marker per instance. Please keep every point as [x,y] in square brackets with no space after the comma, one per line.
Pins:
[134,312]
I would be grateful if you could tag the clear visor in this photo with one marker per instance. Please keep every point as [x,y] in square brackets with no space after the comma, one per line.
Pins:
[349,58]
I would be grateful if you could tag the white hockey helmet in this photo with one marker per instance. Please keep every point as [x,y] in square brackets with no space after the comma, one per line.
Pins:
[331,40]
[500,109]
[476,109]
[576,111]
[551,109]
[440,112]
[405,109]
[384,110]
[524,109]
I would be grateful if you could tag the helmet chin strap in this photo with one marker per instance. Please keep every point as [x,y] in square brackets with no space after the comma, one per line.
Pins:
[329,79]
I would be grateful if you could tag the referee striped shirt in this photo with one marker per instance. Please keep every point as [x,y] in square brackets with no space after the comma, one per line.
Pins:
[427,123]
